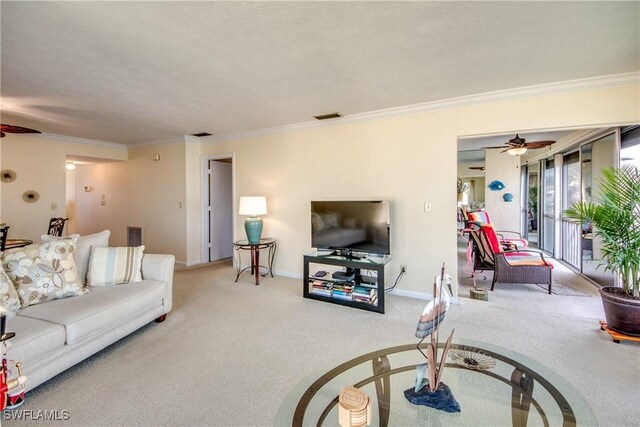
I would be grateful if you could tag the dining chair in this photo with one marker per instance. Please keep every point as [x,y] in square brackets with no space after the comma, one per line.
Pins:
[56,225]
[3,237]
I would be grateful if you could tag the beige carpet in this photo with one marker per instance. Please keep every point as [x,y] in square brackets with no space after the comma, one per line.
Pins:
[231,353]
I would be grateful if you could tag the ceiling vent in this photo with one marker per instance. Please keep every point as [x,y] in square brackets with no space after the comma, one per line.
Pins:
[328,116]
[201,134]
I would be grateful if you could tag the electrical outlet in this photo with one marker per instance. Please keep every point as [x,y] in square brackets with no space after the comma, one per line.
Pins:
[403,269]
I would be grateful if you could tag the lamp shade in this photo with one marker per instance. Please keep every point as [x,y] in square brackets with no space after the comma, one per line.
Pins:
[253,205]
[517,151]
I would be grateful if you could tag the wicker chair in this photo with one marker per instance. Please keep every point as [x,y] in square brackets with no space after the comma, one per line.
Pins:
[509,266]
[56,225]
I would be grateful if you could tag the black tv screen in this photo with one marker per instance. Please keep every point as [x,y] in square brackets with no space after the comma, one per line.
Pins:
[359,226]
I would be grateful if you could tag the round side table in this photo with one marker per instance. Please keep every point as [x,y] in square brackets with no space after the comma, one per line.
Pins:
[254,248]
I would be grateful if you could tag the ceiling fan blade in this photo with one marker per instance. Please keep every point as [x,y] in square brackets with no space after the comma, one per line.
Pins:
[490,148]
[507,149]
[479,168]
[2,134]
[539,144]
[16,129]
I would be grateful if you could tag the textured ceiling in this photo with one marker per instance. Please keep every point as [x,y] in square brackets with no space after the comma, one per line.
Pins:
[132,72]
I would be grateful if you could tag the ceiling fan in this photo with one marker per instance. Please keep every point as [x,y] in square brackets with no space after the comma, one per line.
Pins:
[4,129]
[478,168]
[517,146]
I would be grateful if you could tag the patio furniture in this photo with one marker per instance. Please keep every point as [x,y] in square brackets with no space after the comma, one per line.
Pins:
[509,266]
[514,241]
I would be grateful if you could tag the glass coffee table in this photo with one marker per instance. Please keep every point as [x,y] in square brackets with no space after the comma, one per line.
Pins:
[516,391]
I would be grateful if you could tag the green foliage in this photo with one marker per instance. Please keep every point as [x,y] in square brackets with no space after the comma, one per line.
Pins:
[616,218]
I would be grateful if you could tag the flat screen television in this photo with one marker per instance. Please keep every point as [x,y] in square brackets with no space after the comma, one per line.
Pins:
[351,226]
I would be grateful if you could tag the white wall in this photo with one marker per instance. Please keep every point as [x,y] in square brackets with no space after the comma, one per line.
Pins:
[408,160]
[193,199]
[140,192]
[505,168]
[39,161]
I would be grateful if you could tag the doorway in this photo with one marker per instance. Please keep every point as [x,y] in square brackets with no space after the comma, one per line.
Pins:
[219,209]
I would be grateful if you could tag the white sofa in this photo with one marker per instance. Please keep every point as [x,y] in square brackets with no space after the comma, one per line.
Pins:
[53,336]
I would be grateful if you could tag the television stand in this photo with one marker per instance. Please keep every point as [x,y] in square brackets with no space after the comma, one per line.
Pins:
[352,287]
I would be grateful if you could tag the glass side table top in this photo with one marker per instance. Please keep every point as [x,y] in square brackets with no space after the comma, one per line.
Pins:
[517,391]
[245,242]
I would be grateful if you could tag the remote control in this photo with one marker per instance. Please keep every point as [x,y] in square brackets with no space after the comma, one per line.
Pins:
[321,273]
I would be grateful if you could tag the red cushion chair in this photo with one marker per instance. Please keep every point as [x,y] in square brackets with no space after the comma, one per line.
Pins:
[509,266]
[482,217]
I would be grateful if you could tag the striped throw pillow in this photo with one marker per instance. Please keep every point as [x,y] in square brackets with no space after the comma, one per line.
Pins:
[110,266]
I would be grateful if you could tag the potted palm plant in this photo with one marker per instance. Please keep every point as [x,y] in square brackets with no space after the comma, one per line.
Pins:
[616,220]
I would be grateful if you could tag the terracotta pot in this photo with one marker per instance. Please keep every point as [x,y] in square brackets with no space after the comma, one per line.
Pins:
[621,311]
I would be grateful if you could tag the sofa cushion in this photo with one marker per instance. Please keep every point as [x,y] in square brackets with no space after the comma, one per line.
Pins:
[44,272]
[102,309]
[83,250]
[110,266]
[34,339]
[9,300]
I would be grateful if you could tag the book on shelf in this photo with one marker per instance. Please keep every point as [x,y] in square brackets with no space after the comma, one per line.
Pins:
[361,290]
[343,297]
[324,292]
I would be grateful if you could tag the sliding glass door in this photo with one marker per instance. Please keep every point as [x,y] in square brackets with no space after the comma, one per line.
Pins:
[595,156]
[530,205]
[571,193]
[548,193]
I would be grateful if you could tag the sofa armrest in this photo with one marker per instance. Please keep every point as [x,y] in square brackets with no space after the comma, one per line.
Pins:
[160,268]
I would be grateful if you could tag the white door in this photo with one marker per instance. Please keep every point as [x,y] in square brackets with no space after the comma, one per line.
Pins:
[220,210]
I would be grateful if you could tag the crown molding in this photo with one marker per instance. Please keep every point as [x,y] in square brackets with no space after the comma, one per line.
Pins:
[76,140]
[592,83]
[172,140]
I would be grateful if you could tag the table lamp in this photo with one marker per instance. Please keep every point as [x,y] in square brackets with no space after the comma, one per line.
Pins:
[253,206]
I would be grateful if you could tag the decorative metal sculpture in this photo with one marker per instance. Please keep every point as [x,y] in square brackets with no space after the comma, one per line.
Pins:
[7,176]
[475,360]
[429,390]
[31,196]
[11,391]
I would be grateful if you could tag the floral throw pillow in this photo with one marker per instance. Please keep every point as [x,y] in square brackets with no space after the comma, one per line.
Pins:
[9,299]
[44,272]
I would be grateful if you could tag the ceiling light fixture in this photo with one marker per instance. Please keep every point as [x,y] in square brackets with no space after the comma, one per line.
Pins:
[517,151]
[70,166]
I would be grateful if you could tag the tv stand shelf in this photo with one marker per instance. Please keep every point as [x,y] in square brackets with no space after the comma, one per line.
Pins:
[364,291]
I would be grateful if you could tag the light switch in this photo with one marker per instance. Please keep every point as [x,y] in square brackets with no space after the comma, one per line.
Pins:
[180,205]
[427,207]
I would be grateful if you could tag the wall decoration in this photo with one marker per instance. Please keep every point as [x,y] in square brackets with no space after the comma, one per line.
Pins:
[31,196]
[507,197]
[7,175]
[496,186]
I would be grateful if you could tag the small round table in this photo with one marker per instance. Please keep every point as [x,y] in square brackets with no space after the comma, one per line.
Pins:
[244,245]
[17,243]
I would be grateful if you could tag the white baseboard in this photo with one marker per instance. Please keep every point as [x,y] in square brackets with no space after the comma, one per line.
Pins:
[287,274]
[418,295]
